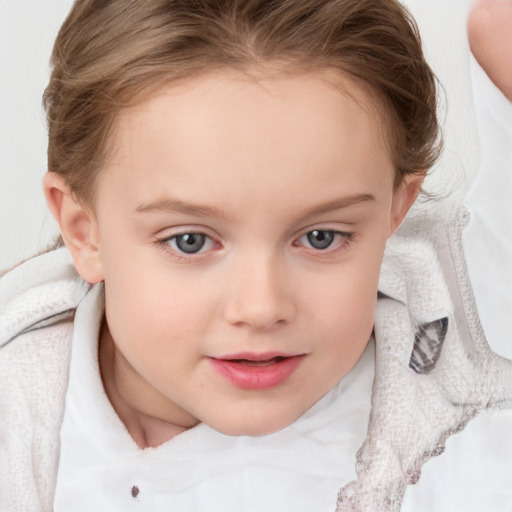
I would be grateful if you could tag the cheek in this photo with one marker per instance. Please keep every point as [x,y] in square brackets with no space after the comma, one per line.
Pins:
[349,312]
[148,304]
[158,334]
[158,309]
[345,305]
[351,286]
[346,332]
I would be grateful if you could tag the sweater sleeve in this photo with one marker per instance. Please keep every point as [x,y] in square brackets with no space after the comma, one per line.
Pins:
[33,383]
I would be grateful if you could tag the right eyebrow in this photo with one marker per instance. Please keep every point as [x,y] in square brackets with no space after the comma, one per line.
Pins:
[170,205]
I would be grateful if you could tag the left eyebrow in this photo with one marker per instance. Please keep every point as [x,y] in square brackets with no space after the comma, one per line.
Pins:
[170,205]
[338,204]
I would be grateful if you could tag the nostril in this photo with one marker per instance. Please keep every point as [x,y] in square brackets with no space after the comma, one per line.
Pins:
[261,317]
[259,298]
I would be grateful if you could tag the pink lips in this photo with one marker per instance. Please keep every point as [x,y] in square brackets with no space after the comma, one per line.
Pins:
[256,371]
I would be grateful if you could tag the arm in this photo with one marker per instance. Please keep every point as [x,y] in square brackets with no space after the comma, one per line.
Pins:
[490,39]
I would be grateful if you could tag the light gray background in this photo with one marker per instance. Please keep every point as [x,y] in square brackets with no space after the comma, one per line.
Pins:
[27,31]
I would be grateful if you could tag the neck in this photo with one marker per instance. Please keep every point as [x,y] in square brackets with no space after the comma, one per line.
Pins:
[147,415]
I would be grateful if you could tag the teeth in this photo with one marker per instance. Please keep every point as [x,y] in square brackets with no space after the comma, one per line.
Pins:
[266,362]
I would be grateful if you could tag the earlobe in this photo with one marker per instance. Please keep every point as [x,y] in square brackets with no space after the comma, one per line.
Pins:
[403,198]
[78,227]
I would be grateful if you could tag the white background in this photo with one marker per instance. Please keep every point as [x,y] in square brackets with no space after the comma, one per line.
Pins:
[27,31]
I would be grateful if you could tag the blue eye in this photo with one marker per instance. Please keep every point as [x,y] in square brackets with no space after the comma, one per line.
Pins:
[187,246]
[189,243]
[321,238]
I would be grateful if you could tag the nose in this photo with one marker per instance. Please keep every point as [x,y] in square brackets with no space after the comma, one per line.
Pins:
[259,296]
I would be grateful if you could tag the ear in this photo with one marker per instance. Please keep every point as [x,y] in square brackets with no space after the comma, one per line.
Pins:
[403,198]
[78,227]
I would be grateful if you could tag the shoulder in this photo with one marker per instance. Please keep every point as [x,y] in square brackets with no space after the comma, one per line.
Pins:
[40,292]
[34,372]
[37,304]
[474,472]
[490,39]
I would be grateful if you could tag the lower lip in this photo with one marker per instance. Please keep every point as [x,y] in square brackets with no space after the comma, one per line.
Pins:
[245,376]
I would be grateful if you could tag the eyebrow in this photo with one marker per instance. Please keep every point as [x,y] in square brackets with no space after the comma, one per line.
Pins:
[177,206]
[338,204]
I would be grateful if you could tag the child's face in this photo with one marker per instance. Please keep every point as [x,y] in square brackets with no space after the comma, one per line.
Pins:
[240,227]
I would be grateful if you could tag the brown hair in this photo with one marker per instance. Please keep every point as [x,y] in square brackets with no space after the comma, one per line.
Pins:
[110,52]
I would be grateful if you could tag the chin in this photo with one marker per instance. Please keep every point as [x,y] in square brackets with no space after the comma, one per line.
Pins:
[255,427]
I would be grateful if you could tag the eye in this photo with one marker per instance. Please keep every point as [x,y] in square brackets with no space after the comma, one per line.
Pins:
[322,239]
[190,243]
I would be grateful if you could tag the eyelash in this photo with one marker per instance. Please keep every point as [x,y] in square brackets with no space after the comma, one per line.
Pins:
[182,257]
[344,242]
[345,239]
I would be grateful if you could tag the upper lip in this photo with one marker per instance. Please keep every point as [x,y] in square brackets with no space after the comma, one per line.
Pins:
[253,356]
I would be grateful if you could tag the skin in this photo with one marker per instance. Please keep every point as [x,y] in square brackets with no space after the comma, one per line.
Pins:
[490,39]
[255,165]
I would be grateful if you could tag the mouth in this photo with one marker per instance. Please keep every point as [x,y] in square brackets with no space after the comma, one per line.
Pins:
[258,363]
[256,371]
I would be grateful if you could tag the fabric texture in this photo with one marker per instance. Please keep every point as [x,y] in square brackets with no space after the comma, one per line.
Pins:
[414,413]
[37,304]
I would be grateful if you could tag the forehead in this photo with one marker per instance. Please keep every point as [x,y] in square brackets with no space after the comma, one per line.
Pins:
[236,130]
[226,95]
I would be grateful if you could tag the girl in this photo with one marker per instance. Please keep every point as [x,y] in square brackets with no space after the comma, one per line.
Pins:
[225,176]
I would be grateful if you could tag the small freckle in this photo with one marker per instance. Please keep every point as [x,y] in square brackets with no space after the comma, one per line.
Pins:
[135,491]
